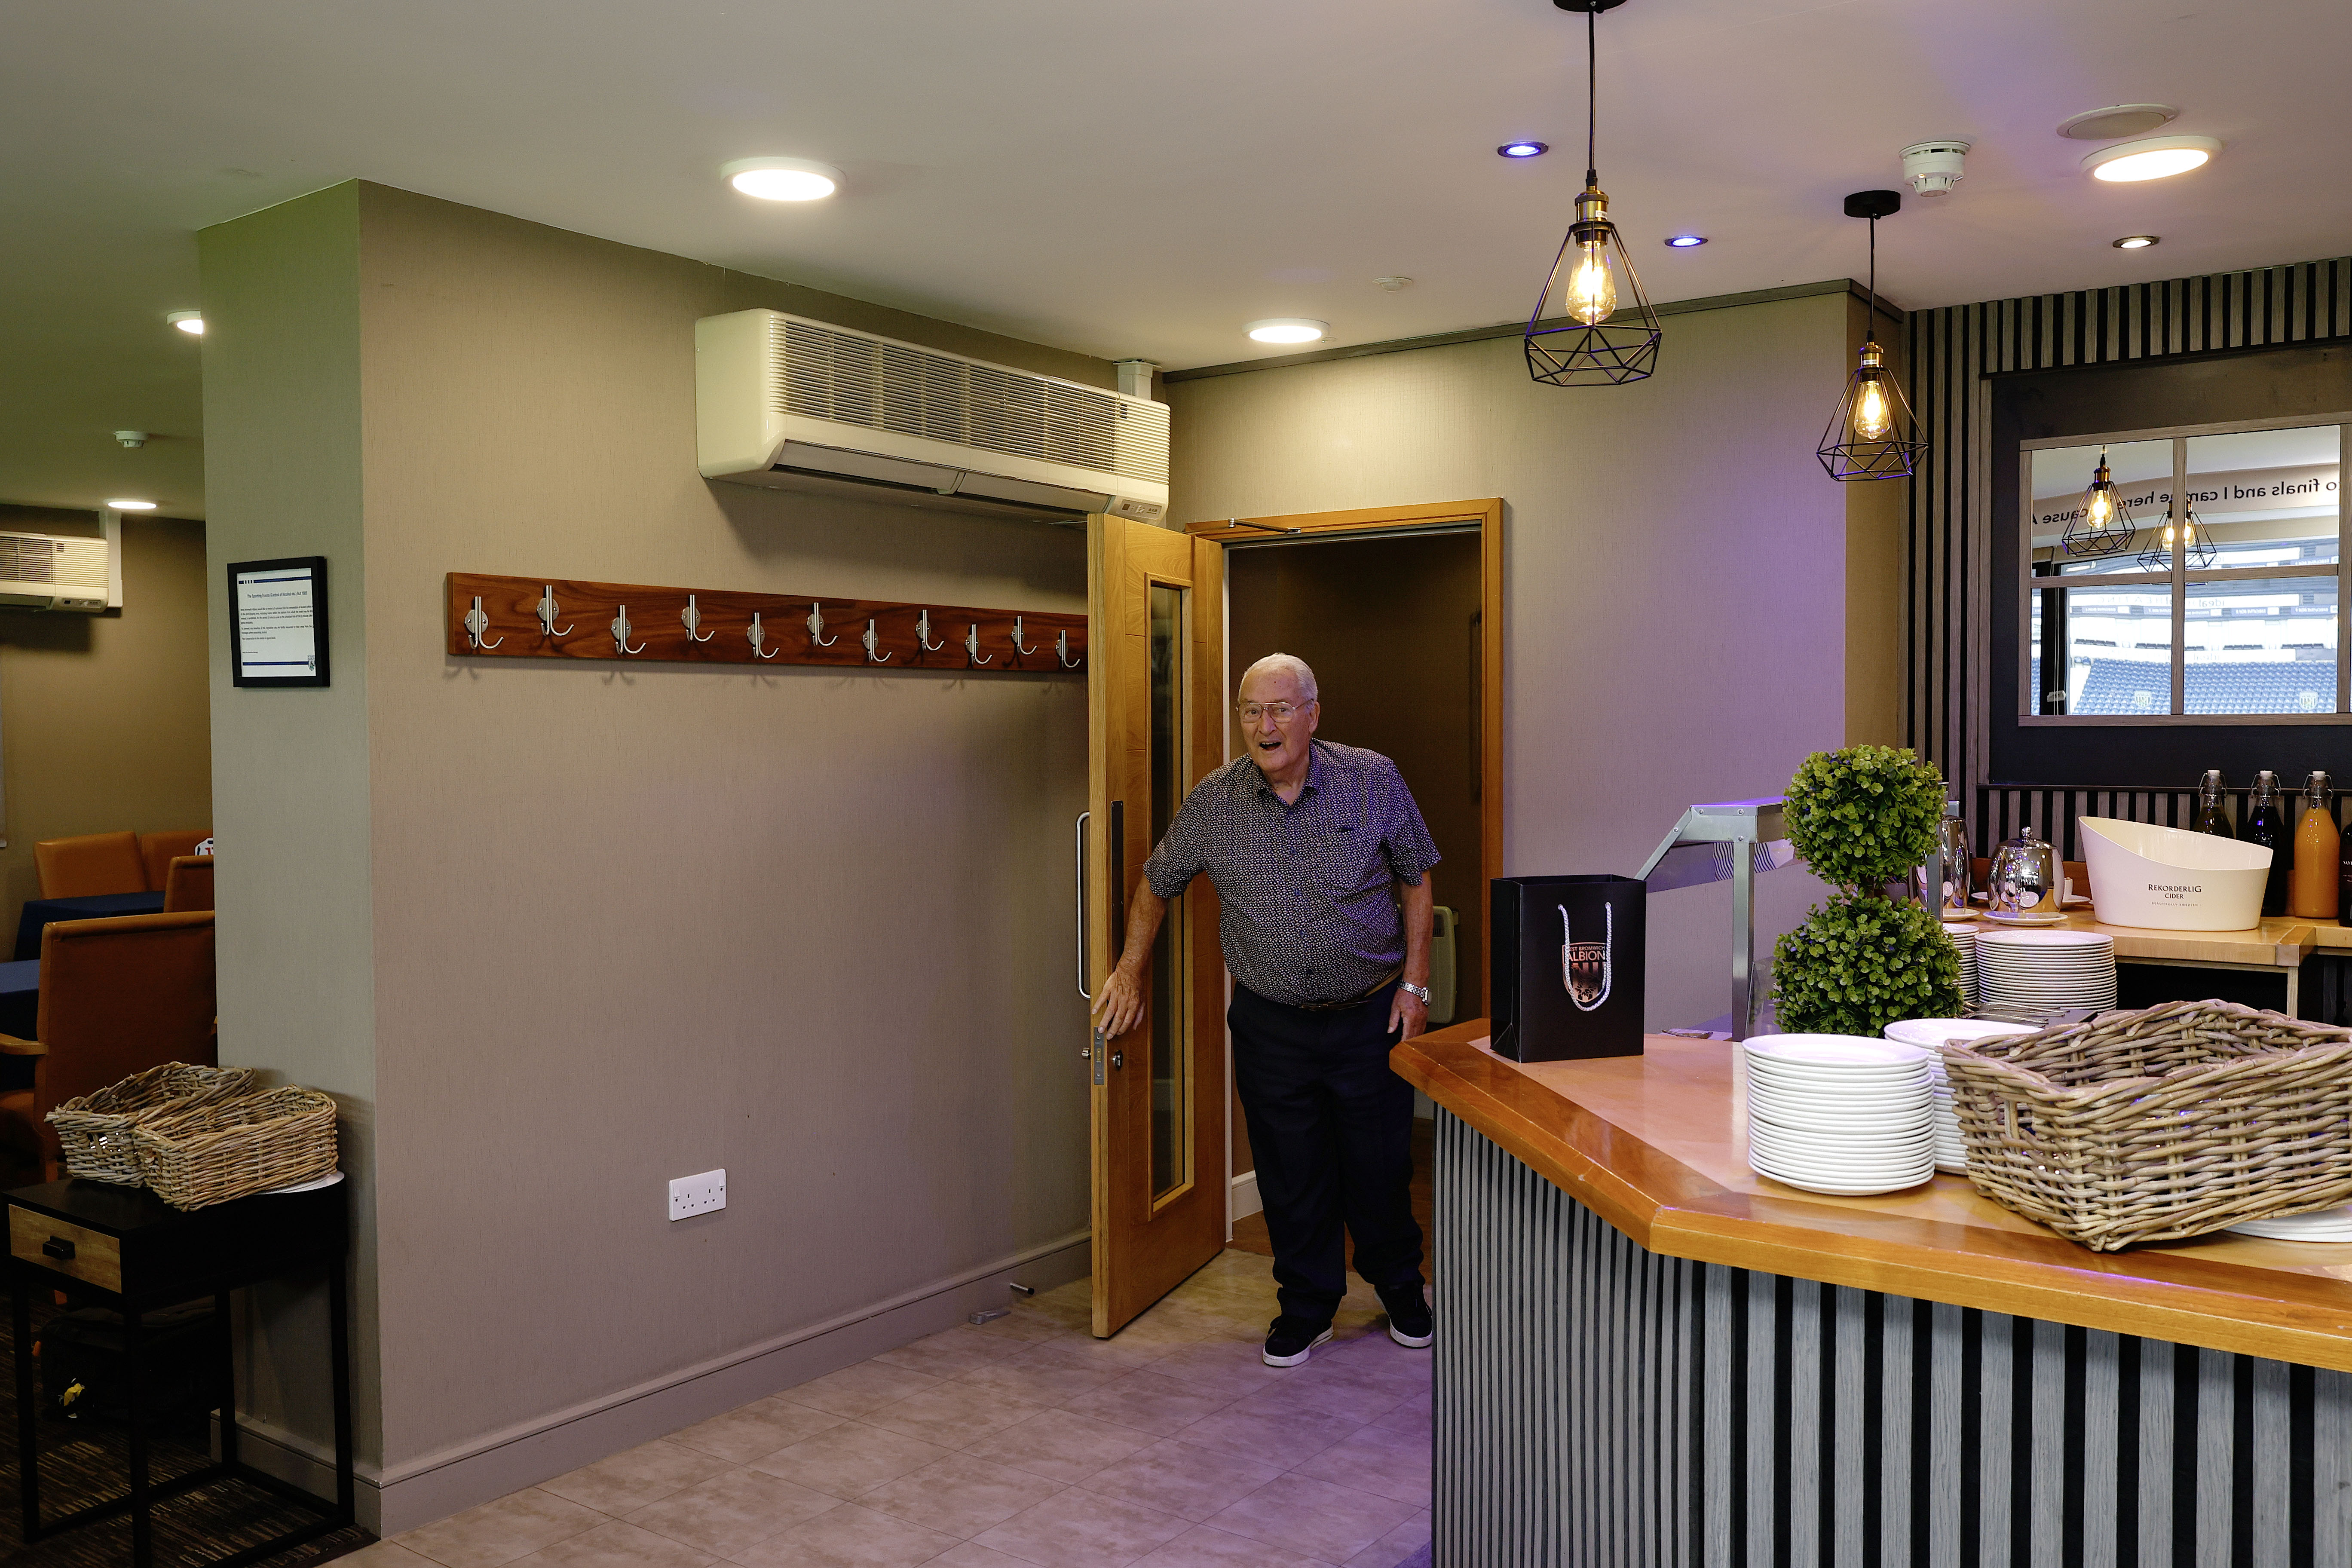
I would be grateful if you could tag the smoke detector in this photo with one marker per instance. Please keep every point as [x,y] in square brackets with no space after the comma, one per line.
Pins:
[1934,167]
[131,437]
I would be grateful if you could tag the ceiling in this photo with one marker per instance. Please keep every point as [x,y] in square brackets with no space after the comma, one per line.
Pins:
[1119,178]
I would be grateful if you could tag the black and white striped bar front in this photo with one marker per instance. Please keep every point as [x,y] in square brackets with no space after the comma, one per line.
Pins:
[1650,1356]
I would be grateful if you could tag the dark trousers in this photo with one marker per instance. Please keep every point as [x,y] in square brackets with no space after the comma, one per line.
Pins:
[1331,1128]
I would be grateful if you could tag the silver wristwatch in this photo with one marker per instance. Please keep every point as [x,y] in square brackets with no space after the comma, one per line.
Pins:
[1420,991]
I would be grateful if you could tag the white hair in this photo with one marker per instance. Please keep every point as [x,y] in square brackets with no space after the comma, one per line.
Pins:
[1289,664]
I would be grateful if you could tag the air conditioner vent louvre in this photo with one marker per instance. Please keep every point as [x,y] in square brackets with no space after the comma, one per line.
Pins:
[821,373]
[27,560]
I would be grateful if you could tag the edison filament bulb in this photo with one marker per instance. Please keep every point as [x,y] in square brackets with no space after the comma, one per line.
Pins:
[1592,288]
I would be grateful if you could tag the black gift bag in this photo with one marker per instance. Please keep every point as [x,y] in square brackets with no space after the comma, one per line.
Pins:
[1567,960]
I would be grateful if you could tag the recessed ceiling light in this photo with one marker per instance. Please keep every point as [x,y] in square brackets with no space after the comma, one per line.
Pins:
[2117,120]
[782,179]
[1687,241]
[1288,329]
[2153,158]
[189,321]
[2137,241]
[1524,149]
[123,503]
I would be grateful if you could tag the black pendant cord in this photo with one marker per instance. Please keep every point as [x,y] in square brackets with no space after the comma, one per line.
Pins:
[1591,92]
[1870,322]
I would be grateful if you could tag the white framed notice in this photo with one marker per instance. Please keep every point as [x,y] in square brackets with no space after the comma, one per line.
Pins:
[277,622]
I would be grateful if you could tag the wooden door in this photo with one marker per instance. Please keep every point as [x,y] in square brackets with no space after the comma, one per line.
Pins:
[1155,685]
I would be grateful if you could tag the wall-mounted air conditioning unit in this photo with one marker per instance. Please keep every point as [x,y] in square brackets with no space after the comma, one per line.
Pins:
[50,571]
[783,401]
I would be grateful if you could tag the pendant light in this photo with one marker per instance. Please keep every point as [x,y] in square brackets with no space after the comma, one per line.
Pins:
[1594,349]
[2097,526]
[2191,539]
[1872,434]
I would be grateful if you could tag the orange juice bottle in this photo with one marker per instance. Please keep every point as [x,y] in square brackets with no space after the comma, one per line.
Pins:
[2312,886]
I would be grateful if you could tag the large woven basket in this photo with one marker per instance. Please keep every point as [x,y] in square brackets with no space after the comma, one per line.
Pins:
[232,1148]
[2158,1125]
[94,1130]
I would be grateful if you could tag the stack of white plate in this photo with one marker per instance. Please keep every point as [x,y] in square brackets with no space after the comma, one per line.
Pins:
[1951,1150]
[2320,1224]
[2040,971]
[1965,938]
[1838,1113]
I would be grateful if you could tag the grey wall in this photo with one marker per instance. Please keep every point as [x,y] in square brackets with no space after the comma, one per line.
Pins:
[614,924]
[1677,599]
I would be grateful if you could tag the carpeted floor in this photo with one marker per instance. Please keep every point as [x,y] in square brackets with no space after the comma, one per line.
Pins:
[83,1461]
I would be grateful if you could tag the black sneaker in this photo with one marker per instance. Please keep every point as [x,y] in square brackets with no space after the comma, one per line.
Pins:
[1409,1322]
[1289,1341]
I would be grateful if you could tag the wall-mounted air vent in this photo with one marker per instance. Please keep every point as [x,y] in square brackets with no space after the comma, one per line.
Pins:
[49,572]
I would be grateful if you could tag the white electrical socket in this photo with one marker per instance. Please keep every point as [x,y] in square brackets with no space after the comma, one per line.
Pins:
[691,1195]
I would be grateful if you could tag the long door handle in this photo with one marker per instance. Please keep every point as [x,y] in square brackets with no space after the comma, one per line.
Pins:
[1084,818]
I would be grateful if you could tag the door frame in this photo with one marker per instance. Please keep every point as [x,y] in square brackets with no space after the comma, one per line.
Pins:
[1486,515]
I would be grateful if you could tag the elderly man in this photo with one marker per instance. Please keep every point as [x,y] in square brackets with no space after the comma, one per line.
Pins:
[1321,860]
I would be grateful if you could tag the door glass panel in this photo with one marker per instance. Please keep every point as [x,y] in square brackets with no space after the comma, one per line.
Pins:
[1171,1141]
[2266,498]
[2103,650]
[2260,645]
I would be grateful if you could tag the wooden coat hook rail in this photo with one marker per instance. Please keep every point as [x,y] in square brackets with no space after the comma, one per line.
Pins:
[532,617]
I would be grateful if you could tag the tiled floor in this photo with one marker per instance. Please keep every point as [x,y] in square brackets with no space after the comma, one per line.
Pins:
[1026,1444]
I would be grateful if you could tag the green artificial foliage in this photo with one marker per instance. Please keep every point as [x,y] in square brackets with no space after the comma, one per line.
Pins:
[1860,963]
[1864,816]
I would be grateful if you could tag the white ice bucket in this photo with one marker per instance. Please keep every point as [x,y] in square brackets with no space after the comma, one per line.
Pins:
[2170,879]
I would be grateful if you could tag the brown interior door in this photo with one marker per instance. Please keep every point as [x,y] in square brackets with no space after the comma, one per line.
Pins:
[1155,685]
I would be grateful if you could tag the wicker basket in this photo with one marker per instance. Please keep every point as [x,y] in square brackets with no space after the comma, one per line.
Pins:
[2159,1124]
[230,1149]
[94,1130]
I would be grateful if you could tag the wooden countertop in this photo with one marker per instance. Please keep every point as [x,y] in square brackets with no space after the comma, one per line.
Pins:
[2279,942]
[1657,1145]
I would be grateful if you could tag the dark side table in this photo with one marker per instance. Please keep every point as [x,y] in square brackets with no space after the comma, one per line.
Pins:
[126,1249]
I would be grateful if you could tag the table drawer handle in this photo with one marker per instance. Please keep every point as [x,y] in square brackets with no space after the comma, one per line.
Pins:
[59,1247]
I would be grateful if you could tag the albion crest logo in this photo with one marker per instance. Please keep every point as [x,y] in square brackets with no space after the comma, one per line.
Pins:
[1587,968]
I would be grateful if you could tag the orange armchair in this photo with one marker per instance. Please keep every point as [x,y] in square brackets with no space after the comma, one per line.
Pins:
[91,864]
[189,884]
[158,850]
[118,996]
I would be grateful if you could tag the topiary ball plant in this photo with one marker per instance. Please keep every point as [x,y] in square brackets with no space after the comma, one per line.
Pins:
[1860,819]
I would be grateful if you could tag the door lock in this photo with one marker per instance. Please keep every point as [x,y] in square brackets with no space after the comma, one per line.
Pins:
[1118,1058]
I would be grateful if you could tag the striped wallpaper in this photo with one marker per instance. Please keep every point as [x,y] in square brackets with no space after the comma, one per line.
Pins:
[1950,350]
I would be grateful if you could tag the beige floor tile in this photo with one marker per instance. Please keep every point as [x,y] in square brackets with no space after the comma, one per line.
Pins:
[1287,1439]
[954,1414]
[961,1496]
[1234,1369]
[634,1476]
[1060,1445]
[1031,1323]
[616,1545]
[1392,1465]
[387,1554]
[850,1460]
[760,1427]
[847,1537]
[1148,1403]
[1355,1400]
[498,1532]
[1046,1375]
[951,1354]
[1082,1530]
[1084,1350]
[1332,1522]
[1202,1547]
[1176,1477]
[731,1510]
[972,1555]
[1415,1414]
[857,1390]
[1398,1547]
[1165,1327]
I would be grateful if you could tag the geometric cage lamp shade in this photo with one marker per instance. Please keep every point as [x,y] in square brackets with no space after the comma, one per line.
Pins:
[1870,434]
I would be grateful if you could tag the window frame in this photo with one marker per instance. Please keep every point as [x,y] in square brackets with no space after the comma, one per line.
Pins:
[2177,580]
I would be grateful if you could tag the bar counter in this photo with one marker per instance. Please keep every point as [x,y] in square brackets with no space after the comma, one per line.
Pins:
[1648,1353]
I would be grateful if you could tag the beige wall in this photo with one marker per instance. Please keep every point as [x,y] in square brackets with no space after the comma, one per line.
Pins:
[1876,512]
[104,719]
[1675,573]
[626,923]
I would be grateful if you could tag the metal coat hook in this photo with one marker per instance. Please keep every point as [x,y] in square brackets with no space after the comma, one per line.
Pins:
[693,619]
[923,634]
[971,646]
[621,633]
[1062,651]
[816,627]
[869,639]
[759,635]
[476,623]
[548,612]
[1017,638]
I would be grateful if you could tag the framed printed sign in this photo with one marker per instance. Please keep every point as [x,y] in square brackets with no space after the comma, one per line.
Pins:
[277,622]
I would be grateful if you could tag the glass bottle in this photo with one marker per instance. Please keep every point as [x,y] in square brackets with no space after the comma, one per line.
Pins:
[2266,826]
[2318,855]
[2212,816]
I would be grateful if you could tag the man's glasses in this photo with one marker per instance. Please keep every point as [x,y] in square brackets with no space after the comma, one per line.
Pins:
[1280,713]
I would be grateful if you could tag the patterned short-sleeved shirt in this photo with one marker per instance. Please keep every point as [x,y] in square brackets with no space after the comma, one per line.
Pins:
[1305,891]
